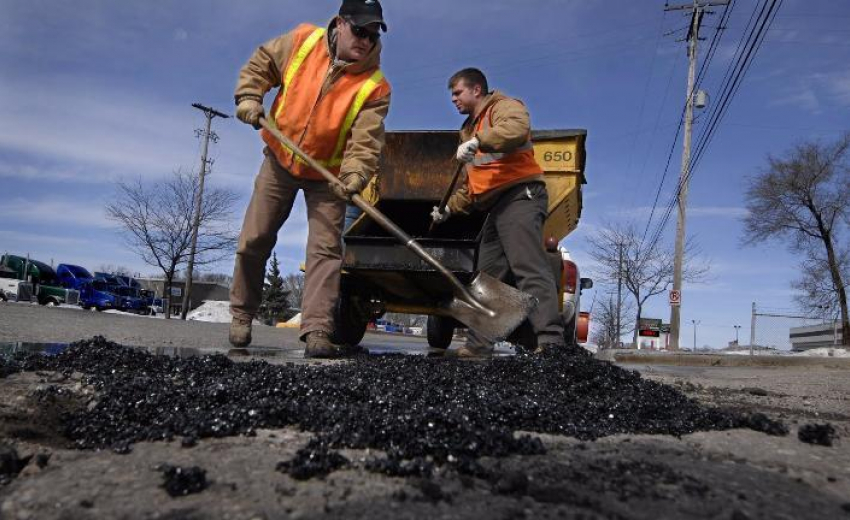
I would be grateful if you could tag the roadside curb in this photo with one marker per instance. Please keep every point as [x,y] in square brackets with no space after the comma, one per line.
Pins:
[630,357]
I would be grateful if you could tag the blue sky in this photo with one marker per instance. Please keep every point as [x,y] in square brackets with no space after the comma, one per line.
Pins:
[98,90]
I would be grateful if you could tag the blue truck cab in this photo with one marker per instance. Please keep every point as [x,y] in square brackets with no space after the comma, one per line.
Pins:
[128,297]
[94,294]
[147,296]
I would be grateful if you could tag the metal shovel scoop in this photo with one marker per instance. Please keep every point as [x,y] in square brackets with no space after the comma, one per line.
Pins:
[487,306]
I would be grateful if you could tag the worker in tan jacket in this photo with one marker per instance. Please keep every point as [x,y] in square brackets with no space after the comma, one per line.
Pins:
[504,179]
[332,101]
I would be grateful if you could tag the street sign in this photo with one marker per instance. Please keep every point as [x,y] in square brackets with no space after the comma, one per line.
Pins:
[675,298]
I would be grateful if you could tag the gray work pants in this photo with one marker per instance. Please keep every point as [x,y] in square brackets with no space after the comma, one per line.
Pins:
[512,251]
[274,194]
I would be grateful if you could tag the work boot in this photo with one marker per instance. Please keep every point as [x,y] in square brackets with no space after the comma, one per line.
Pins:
[475,351]
[549,347]
[240,332]
[320,346]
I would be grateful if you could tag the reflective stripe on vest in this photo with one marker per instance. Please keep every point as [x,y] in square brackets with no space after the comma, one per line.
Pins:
[363,94]
[489,158]
[492,170]
[297,61]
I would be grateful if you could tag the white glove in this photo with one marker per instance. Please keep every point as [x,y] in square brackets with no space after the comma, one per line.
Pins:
[466,151]
[249,111]
[440,216]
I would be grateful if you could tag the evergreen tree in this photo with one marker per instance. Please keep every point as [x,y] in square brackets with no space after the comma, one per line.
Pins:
[275,297]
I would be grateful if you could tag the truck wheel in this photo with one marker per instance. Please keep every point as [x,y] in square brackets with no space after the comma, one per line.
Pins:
[350,323]
[440,331]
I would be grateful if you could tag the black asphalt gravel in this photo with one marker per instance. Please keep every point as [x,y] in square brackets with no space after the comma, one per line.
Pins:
[418,411]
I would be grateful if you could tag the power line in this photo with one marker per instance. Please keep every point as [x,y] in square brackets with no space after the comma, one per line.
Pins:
[736,72]
[715,42]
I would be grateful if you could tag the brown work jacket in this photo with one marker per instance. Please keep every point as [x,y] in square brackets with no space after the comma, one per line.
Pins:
[509,130]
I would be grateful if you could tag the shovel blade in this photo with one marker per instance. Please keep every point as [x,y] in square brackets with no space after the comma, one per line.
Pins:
[509,307]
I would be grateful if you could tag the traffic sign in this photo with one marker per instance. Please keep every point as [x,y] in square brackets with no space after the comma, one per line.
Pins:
[675,298]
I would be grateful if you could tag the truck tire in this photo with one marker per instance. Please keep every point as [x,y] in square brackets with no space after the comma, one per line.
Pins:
[350,323]
[440,331]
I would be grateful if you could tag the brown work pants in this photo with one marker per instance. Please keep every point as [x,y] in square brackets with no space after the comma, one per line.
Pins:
[274,194]
[512,251]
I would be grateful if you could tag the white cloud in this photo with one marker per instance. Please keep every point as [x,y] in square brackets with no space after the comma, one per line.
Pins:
[692,212]
[91,133]
[803,97]
[71,214]
[12,237]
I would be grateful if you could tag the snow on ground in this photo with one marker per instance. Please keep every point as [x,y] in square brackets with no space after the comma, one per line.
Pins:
[824,352]
[211,311]
[816,352]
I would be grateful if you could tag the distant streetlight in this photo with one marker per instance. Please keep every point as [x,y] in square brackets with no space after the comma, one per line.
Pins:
[737,328]
[695,322]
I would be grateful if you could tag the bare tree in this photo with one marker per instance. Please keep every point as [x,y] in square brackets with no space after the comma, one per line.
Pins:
[816,295]
[114,269]
[156,222]
[219,278]
[605,332]
[803,198]
[646,269]
[294,284]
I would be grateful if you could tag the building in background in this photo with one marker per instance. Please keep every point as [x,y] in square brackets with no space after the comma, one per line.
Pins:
[201,292]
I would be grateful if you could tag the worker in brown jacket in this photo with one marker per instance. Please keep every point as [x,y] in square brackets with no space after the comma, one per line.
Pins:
[332,101]
[504,179]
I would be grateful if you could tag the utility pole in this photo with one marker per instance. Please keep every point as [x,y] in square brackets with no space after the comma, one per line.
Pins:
[207,134]
[697,10]
[737,328]
[753,328]
[619,293]
[695,322]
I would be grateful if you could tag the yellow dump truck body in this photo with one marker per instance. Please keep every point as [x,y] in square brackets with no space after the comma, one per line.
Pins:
[418,166]
[381,275]
[561,154]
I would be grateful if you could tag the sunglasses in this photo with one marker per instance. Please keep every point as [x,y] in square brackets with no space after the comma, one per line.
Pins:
[362,32]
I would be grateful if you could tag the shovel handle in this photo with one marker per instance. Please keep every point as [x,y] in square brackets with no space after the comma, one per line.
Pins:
[380,218]
[445,199]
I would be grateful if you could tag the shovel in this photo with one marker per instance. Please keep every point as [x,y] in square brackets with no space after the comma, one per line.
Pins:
[486,305]
[447,196]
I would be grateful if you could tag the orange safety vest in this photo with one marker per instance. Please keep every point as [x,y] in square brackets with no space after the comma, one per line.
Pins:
[488,171]
[319,125]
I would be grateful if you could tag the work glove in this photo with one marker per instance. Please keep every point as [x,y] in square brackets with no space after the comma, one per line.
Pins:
[439,216]
[466,151]
[353,183]
[249,111]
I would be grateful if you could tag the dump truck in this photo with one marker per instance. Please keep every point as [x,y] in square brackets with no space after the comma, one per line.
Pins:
[46,286]
[380,275]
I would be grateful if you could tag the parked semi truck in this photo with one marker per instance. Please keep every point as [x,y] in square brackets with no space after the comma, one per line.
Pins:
[94,294]
[46,287]
[380,275]
[128,298]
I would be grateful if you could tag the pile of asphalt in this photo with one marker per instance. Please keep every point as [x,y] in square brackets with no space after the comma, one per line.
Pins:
[820,434]
[419,411]
[179,481]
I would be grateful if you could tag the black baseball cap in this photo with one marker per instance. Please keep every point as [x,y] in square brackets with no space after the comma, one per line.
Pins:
[363,12]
